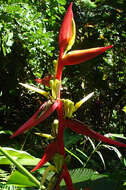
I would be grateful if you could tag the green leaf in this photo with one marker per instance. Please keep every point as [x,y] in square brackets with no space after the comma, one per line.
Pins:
[22,157]
[102,182]
[79,177]
[88,4]
[70,138]
[124,184]
[20,167]
[124,161]
[3,175]
[62,2]
[86,178]
[85,156]
[124,109]
[102,159]
[6,132]
[19,179]
[10,39]
[74,155]
[116,135]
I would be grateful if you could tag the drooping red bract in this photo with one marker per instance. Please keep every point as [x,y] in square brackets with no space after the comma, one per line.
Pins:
[49,152]
[36,118]
[80,128]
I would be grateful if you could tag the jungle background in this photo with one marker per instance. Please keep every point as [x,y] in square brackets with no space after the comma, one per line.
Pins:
[28,46]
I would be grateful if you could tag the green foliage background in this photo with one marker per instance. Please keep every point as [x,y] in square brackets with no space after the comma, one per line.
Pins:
[29,44]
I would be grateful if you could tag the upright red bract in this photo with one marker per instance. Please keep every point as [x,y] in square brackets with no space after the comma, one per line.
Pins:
[66,31]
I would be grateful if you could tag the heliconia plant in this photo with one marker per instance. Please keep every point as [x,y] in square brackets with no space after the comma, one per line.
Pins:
[65,108]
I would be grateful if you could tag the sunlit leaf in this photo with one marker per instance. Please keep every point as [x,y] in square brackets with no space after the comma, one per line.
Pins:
[19,179]
[22,157]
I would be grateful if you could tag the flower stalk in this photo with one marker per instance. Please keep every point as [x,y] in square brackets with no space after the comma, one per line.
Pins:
[65,108]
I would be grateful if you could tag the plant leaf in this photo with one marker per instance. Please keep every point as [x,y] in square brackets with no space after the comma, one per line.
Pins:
[86,178]
[102,159]
[74,155]
[19,179]
[114,149]
[22,157]
[116,135]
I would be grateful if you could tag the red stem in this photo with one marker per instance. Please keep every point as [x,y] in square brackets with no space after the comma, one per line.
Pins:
[61,127]
[59,70]
[67,179]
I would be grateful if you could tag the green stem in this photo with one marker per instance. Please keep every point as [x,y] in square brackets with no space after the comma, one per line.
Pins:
[20,167]
[96,148]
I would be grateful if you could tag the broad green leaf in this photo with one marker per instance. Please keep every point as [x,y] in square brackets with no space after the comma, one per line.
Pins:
[19,179]
[70,138]
[20,167]
[79,177]
[22,157]
[87,178]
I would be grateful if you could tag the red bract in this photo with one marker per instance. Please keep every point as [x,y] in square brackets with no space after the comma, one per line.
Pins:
[39,80]
[36,118]
[49,152]
[66,31]
[80,128]
[66,40]
[45,81]
[79,56]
